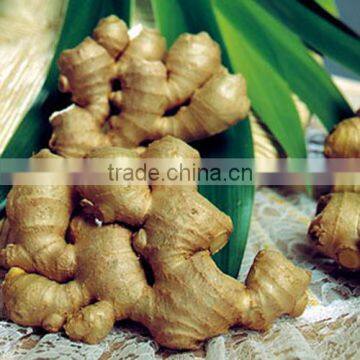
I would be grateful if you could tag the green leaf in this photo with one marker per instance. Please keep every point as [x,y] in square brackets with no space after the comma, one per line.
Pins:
[236,201]
[169,19]
[317,31]
[287,55]
[125,9]
[34,131]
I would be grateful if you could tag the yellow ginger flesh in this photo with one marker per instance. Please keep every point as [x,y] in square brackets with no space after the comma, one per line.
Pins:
[177,231]
[188,80]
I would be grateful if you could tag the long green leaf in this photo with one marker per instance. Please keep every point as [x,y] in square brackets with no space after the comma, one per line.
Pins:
[125,9]
[169,19]
[327,9]
[320,33]
[286,53]
[269,93]
[34,131]
[237,201]
[234,200]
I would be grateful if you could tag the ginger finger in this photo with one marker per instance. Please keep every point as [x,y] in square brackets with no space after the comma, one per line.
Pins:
[89,69]
[148,45]
[344,141]
[92,323]
[76,132]
[335,230]
[192,71]
[143,100]
[197,315]
[191,61]
[215,107]
[112,34]
[107,271]
[87,72]
[34,300]
[38,217]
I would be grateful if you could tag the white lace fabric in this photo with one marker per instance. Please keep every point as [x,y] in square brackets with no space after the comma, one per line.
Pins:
[328,329]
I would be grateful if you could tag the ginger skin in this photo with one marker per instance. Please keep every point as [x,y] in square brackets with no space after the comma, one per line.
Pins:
[102,255]
[336,228]
[344,141]
[5,237]
[152,83]
[126,204]
[190,300]
[335,231]
[39,217]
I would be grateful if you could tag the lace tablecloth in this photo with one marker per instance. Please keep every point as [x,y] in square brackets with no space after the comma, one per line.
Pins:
[329,328]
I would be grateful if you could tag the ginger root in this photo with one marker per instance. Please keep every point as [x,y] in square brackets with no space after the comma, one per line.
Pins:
[67,272]
[336,229]
[188,80]
[4,233]
[177,231]
[38,217]
[344,141]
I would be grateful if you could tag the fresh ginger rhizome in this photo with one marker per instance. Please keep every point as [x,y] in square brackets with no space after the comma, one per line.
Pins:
[67,272]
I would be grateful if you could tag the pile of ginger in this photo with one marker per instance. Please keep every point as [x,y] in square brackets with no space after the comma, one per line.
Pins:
[127,92]
[68,271]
